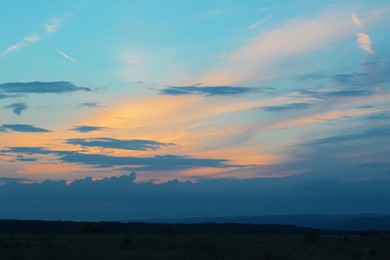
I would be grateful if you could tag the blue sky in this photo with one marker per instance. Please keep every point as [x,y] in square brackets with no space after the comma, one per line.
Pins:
[221,92]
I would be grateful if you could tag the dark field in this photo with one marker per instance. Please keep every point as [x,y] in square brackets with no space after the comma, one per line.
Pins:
[168,245]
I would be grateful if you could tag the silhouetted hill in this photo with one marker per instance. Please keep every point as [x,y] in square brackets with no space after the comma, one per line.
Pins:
[330,222]
[362,223]
[37,226]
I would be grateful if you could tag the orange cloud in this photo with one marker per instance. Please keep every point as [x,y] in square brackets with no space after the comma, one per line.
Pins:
[364,42]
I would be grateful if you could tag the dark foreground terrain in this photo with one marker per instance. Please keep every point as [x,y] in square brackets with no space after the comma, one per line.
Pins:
[120,246]
[113,240]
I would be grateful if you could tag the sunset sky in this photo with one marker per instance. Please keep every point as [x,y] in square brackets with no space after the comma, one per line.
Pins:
[285,100]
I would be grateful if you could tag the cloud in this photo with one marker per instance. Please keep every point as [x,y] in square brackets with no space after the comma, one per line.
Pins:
[30,150]
[25,159]
[121,198]
[24,42]
[259,23]
[40,87]
[17,108]
[23,128]
[259,58]
[50,27]
[377,132]
[379,116]
[159,162]
[56,22]
[89,104]
[118,144]
[374,73]
[4,96]
[337,93]
[287,107]
[364,42]
[204,90]
[87,129]
[356,20]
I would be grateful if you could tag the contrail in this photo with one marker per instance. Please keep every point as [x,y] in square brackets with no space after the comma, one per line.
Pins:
[63,54]
[66,56]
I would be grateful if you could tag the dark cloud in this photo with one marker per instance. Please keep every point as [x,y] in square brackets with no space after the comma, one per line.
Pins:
[158,162]
[361,79]
[121,198]
[133,144]
[25,159]
[22,128]
[286,107]
[87,128]
[204,90]
[40,87]
[374,73]
[17,108]
[349,93]
[337,93]
[4,96]
[377,132]
[341,154]
[89,104]
[379,116]
[28,150]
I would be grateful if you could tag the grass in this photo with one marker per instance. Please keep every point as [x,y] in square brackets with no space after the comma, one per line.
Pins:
[171,246]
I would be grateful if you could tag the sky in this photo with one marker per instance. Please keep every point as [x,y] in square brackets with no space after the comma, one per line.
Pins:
[170,109]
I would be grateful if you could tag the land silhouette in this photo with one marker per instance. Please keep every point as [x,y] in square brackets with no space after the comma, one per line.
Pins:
[37,239]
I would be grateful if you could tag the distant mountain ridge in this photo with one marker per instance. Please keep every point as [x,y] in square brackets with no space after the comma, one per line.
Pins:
[355,222]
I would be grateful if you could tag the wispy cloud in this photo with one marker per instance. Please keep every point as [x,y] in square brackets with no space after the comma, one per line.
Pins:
[50,27]
[17,108]
[364,42]
[56,22]
[213,13]
[24,42]
[119,144]
[287,107]
[257,59]
[259,23]
[205,90]
[356,20]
